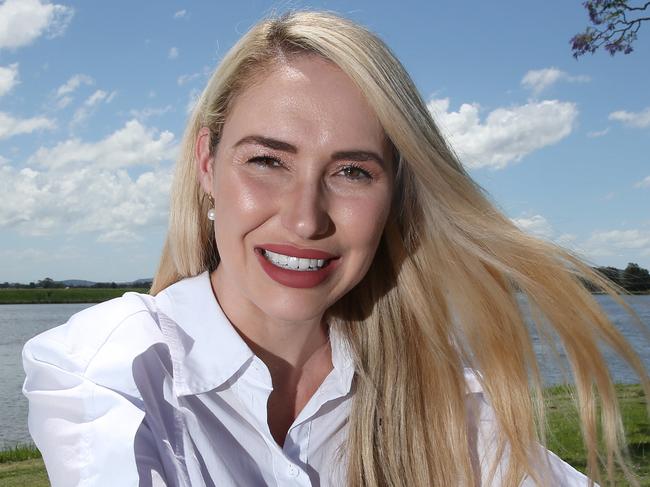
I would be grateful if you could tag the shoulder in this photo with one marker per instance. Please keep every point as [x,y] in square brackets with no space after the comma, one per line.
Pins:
[99,340]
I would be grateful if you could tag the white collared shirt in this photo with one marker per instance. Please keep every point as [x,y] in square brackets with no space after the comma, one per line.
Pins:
[162,391]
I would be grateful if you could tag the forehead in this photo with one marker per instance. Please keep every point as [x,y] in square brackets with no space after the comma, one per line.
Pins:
[305,100]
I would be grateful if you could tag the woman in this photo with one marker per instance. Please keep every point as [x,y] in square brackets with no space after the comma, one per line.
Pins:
[330,282]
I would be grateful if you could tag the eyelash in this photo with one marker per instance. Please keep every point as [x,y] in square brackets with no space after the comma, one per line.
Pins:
[271,162]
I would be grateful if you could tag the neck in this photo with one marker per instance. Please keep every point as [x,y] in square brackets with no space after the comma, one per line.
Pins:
[285,346]
[297,354]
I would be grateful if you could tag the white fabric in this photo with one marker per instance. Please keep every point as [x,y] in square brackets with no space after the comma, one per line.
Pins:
[162,391]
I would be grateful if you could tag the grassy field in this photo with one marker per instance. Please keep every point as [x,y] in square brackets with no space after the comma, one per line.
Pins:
[19,467]
[564,436]
[71,295]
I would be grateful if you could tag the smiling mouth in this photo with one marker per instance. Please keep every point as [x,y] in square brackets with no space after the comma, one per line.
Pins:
[294,263]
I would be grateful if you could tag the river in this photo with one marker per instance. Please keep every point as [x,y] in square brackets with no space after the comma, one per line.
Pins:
[20,322]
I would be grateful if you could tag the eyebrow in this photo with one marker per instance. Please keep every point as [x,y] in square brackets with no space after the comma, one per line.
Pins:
[275,144]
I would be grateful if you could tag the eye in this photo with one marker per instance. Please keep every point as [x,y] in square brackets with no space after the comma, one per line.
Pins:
[356,173]
[265,161]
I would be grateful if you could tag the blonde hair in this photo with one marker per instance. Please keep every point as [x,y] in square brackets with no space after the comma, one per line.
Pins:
[441,292]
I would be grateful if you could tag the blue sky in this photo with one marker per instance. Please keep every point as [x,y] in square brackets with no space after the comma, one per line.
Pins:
[94,97]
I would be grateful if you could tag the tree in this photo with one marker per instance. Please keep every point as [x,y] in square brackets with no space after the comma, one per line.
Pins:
[617,24]
[636,278]
[611,273]
[46,283]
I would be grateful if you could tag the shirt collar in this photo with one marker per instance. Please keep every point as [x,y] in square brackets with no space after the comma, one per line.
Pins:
[341,360]
[206,349]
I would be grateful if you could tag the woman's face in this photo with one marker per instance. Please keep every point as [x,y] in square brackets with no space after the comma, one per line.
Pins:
[302,184]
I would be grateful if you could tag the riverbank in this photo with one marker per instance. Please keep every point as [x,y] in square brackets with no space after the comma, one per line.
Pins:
[63,296]
[81,295]
[22,465]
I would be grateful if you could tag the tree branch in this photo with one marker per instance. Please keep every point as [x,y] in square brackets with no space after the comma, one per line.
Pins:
[615,32]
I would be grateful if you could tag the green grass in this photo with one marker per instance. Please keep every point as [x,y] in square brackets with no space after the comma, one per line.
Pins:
[72,295]
[28,473]
[22,465]
[563,438]
[19,452]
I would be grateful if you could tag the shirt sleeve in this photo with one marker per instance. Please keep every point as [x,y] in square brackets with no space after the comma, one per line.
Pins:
[485,432]
[84,431]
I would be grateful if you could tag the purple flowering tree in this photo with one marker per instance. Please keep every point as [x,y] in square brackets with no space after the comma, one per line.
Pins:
[616,22]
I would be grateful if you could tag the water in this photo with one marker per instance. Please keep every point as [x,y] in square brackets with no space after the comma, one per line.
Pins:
[552,369]
[19,322]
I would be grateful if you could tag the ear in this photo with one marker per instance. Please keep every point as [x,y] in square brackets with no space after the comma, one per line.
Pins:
[204,160]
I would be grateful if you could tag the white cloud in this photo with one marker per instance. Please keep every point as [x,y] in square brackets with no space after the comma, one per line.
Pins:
[23,21]
[536,225]
[507,134]
[539,226]
[192,99]
[132,145]
[90,105]
[180,14]
[644,183]
[27,254]
[604,247]
[186,78]
[112,204]
[10,126]
[97,97]
[173,53]
[8,78]
[86,187]
[633,119]
[540,79]
[63,102]
[612,242]
[146,113]
[598,133]
[566,239]
[73,83]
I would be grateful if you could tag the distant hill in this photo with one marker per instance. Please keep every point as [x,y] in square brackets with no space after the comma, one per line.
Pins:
[147,281]
[78,283]
[84,283]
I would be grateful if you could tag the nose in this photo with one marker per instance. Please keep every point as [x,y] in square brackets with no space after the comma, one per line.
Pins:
[304,211]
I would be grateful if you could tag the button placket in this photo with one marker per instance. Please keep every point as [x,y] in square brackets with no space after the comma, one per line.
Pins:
[292,470]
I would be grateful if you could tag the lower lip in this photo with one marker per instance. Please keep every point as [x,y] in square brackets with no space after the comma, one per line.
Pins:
[296,279]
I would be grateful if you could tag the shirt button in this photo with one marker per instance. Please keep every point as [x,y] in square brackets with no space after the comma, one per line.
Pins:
[292,470]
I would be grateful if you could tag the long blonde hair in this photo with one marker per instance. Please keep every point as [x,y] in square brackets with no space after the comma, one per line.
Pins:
[441,292]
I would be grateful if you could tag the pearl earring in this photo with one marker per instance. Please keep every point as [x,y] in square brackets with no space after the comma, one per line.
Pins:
[211,212]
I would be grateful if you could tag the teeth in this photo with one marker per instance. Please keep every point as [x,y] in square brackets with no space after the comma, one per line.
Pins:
[293,263]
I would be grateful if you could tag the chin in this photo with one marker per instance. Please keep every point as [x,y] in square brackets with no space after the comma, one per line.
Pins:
[294,308]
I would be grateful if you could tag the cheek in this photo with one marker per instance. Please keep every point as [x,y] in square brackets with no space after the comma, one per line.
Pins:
[240,207]
[363,220]
[241,200]
[238,194]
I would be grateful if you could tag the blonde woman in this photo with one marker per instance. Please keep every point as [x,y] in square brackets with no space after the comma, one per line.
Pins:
[335,303]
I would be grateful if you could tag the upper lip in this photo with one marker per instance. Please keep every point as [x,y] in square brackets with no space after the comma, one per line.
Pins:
[292,251]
